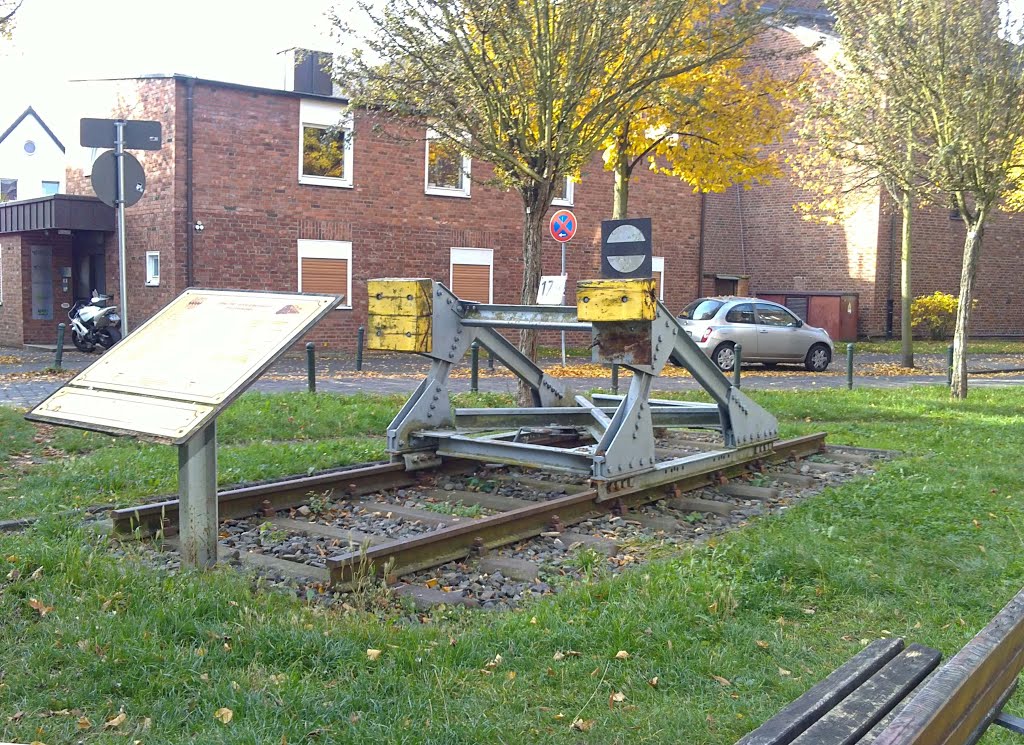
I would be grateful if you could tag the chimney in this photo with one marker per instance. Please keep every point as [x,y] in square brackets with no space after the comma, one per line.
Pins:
[307,71]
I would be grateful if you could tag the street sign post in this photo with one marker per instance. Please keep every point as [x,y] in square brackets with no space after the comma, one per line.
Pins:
[121,135]
[563,227]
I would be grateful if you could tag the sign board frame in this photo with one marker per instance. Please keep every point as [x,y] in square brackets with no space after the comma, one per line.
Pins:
[626,248]
[108,385]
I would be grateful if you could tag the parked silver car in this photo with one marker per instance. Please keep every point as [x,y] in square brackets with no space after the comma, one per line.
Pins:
[768,333]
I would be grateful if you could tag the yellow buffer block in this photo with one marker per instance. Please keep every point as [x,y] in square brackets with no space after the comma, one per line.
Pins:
[612,300]
[400,315]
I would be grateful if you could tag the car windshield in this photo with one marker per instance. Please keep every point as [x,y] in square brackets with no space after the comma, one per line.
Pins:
[701,310]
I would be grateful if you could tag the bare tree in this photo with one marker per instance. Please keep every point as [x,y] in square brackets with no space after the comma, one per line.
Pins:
[531,86]
[7,10]
[952,71]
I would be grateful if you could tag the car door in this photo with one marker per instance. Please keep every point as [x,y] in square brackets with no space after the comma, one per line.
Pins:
[741,328]
[778,334]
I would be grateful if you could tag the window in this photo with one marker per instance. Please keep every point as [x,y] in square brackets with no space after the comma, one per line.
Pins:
[773,315]
[658,273]
[152,268]
[447,168]
[30,147]
[326,267]
[564,196]
[743,313]
[472,274]
[701,310]
[50,188]
[325,144]
[8,189]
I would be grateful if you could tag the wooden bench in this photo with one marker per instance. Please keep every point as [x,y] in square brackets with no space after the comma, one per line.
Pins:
[889,694]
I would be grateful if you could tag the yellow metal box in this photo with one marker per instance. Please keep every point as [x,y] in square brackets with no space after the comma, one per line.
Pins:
[612,300]
[400,297]
[399,333]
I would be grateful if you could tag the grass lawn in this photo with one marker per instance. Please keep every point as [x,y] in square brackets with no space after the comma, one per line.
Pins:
[921,346]
[717,638]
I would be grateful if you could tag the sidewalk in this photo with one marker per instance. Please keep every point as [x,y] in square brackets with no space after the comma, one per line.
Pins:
[24,382]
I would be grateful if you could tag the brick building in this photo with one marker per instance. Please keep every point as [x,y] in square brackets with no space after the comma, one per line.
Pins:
[234,199]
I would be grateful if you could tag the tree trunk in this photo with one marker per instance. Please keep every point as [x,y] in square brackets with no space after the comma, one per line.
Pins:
[620,195]
[533,224]
[972,250]
[906,332]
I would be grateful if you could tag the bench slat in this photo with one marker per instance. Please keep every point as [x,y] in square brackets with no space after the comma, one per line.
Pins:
[787,725]
[855,715]
[955,703]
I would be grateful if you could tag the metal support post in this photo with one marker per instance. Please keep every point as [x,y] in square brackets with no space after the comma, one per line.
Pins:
[474,367]
[615,378]
[197,492]
[563,303]
[121,240]
[949,365]
[59,356]
[736,363]
[360,338]
[849,367]
[490,360]
[311,366]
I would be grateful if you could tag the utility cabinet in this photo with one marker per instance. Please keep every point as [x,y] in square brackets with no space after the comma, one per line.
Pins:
[836,312]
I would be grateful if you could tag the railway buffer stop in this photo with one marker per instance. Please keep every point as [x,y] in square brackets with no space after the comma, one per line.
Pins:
[611,438]
[169,379]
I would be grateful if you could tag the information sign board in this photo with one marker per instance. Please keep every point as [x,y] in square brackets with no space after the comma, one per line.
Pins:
[179,369]
[551,290]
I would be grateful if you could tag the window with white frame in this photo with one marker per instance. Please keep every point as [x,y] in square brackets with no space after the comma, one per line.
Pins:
[564,196]
[325,144]
[50,188]
[447,168]
[152,268]
[326,267]
[472,274]
[658,273]
[8,189]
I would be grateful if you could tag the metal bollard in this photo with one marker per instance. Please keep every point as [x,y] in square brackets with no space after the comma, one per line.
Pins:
[949,365]
[311,366]
[474,367]
[360,337]
[615,379]
[59,356]
[849,367]
[490,360]
[736,363]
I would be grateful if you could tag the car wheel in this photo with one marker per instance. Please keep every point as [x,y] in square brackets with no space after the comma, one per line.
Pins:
[724,356]
[818,358]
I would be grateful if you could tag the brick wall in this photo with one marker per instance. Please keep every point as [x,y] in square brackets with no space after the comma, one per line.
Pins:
[11,318]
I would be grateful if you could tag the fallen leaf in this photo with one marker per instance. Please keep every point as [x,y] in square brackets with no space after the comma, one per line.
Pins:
[653,682]
[115,722]
[511,675]
[784,672]
[761,644]
[13,575]
[622,655]
[37,573]
[354,717]
[494,663]
[223,715]
[558,656]
[84,723]
[721,681]
[431,583]
[39,607]
[373,654]
[616,698]
[533,620]
[582,725]
[16,716]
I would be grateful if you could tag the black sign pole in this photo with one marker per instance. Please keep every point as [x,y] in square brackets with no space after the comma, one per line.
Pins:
[121,242]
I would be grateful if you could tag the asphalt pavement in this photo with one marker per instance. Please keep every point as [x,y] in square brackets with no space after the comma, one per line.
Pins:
[25,380]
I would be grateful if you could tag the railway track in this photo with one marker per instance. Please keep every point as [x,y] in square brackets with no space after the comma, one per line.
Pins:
[339,528]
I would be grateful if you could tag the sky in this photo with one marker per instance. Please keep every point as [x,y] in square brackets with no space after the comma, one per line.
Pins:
[60,40]
[56,41]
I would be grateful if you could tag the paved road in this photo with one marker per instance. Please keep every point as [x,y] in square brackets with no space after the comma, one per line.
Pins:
[24,383]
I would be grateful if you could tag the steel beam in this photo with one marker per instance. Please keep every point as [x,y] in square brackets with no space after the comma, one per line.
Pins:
[578,460]
[570,416]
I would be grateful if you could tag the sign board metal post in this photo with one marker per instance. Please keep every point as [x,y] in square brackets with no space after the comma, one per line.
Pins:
[563,227]
[197,494]
[121,241]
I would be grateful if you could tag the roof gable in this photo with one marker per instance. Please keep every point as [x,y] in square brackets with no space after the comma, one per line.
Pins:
[32,112]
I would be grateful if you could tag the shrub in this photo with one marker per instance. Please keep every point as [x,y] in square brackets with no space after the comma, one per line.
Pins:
[934,315]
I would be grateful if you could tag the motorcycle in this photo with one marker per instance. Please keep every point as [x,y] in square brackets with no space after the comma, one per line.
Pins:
[94,323]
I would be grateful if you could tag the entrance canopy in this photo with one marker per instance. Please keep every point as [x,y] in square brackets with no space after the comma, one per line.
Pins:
[56,212]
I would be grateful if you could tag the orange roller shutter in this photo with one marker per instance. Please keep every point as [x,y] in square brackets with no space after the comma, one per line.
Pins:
[472,282]
[329,276]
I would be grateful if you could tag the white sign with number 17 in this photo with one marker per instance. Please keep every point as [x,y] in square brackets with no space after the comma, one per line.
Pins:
[551,290]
